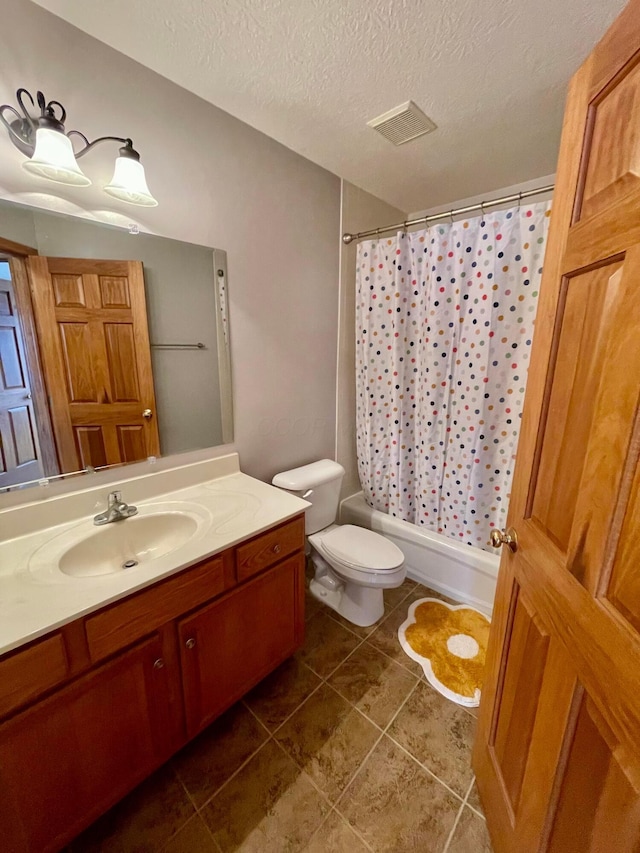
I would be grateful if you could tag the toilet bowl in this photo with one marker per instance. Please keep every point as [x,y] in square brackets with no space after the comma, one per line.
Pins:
[352,565]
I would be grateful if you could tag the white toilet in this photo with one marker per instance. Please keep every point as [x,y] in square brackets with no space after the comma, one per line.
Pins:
[352,565]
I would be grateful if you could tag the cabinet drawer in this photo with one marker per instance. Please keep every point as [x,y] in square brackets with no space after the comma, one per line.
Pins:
[118,626]
[269,547]
[28,673]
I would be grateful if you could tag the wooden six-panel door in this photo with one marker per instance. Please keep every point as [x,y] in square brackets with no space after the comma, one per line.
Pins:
[20,458]
[92,330]
[557,755]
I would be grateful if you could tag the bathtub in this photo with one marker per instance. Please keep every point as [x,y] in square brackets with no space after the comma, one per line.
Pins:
[462,572]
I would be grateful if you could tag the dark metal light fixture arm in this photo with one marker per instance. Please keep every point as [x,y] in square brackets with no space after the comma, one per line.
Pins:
[89,145]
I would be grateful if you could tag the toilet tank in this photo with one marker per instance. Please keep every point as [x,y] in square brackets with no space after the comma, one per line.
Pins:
[319,483]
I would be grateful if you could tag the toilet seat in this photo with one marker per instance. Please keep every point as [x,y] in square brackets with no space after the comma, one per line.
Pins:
[359,548]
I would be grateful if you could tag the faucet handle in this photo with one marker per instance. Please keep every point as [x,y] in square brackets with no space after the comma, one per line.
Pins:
[115,498]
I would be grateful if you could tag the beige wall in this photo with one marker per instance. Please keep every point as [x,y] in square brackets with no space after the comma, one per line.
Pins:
[360,212]
[219,183]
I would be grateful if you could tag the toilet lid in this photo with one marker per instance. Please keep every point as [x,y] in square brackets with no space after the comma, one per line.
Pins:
[362,548]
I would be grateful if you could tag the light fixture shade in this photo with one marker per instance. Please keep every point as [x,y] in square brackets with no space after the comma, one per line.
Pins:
[53,158]
[129,183]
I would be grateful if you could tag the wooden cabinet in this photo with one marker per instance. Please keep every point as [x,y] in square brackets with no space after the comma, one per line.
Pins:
[228,646]
[110,693]
[68,758]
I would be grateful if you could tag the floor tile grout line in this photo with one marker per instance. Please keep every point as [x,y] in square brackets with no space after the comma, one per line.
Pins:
[458,816]
[255,716]
[333,805]
[424,767]
[210,831]
[404,666]
[313,782]
[302,769]
[466,796]
[355,831]
[468,804]
[196,816]
[319,827]
[476,812]
[368,755]
[233,775]
[447,843]
[344,660]
[191,800]
[355,707]
[323,680]
[297,708]
[170,838]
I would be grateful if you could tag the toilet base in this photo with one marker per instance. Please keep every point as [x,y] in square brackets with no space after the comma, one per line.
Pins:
[361,605]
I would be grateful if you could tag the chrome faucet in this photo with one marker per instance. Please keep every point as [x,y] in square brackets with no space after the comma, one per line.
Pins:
[117,510]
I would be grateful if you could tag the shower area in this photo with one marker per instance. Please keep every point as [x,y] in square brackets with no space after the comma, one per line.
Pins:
[445,320]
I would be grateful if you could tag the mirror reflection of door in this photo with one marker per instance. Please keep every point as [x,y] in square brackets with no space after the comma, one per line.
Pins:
[92,332]
[20,455]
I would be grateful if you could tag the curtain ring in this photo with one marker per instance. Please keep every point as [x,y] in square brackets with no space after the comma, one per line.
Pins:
[519,199]
[451,215]
[482,213]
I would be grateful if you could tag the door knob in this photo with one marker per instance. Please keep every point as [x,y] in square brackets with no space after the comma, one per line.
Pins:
[508,538]
[27,396]
[147,414]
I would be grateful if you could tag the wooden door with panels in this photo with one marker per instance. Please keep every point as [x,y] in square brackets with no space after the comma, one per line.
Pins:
[20,456]
[557,754]
[92,329]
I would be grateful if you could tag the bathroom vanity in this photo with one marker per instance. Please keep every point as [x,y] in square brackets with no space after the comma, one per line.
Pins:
[92,706]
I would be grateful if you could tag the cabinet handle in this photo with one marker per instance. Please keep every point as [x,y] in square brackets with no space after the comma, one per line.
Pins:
[190,643]
[158,664]
[276,549]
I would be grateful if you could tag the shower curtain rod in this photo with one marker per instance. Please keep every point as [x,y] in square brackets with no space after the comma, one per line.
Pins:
[434,217]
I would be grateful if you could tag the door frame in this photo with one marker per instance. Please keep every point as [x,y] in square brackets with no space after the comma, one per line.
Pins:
[15,254]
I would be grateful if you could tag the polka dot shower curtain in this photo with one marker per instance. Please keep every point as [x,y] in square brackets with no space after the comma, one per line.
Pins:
[444,322]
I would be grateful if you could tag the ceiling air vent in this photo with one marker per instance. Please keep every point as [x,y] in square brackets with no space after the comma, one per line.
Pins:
[403,123]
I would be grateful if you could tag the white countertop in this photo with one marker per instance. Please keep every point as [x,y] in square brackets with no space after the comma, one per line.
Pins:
[35,597]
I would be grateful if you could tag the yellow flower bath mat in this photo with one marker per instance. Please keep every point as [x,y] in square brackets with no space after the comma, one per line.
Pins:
[449,641]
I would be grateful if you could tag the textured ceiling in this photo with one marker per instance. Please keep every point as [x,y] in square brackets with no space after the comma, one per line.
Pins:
[492,74]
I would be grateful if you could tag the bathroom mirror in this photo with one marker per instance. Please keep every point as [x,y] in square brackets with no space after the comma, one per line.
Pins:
[114,346]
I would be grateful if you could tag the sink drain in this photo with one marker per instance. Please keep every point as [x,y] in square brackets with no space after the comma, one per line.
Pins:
[129,564]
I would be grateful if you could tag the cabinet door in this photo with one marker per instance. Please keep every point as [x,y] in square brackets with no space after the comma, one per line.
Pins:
[228,646]
[67,759]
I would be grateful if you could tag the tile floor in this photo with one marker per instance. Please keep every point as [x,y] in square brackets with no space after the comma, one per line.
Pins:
[345,747]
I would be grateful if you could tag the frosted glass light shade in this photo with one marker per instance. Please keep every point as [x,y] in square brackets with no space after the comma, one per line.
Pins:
[129,183]
[53,158]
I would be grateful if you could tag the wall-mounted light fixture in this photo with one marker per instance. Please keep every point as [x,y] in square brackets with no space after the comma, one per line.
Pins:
[51,155]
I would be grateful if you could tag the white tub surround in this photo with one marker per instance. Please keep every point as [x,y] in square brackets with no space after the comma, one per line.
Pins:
[459,571]
[225,506]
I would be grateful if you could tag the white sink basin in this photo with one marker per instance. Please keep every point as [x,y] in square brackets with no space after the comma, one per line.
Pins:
[87,551]
[124,545]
